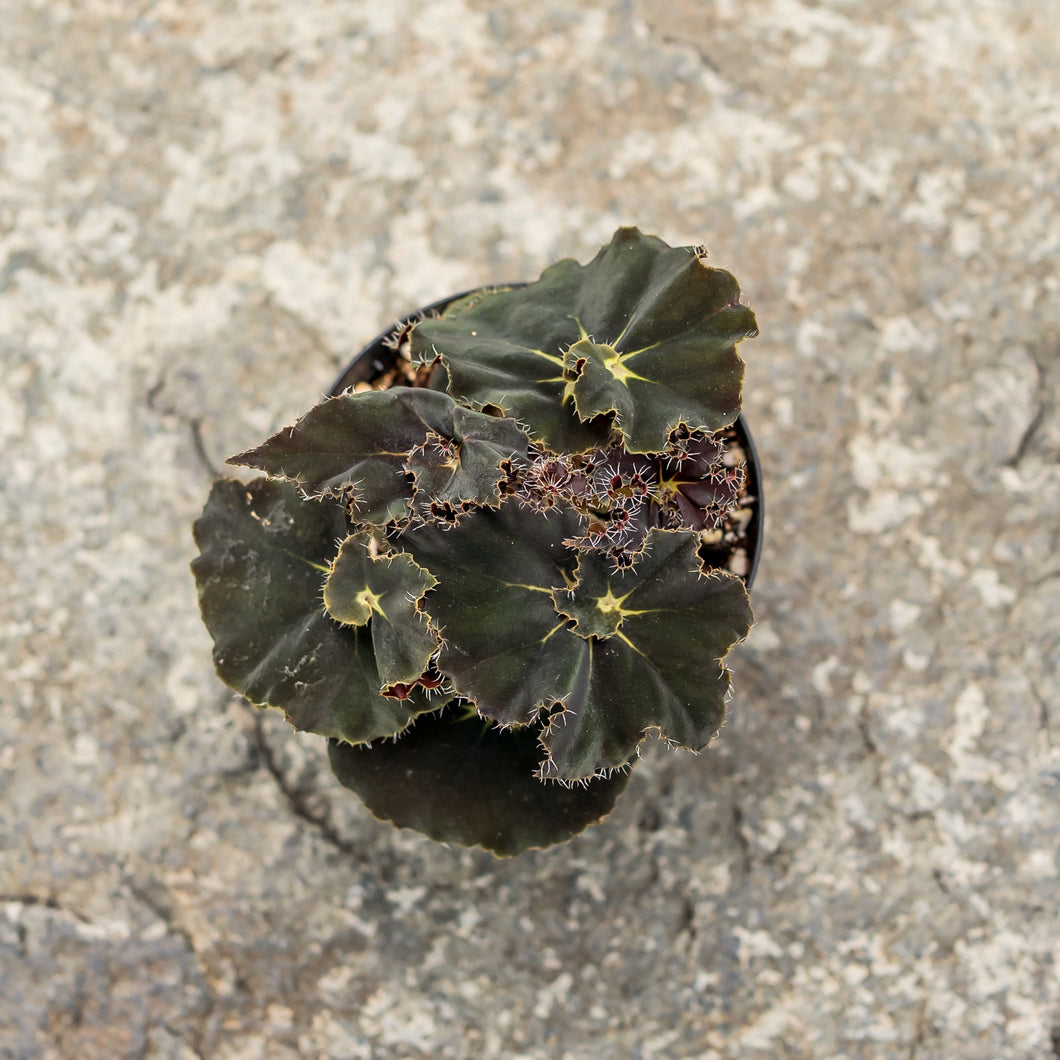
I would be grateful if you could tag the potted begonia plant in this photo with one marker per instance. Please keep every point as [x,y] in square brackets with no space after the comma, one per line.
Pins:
[512,543]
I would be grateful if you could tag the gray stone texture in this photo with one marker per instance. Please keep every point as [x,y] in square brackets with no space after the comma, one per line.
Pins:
[206,207]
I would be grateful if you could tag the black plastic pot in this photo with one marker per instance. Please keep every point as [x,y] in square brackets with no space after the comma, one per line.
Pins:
[380,354]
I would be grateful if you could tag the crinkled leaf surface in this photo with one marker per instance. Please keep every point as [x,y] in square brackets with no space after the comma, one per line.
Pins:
[645,331]
[695,378]
[493,607]
[623,652]
[385,589]
[466,467]
[360,444]
[507,351]
[265,553]
[458,780]
[652,641]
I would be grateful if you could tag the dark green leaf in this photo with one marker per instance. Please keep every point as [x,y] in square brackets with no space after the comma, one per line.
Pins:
[507,352]
[265,553]
[622,652]
[465,466]
[652,641]
[645,333]
[359,445]
[386,589]
[462,781]
[493,607]
[694,379]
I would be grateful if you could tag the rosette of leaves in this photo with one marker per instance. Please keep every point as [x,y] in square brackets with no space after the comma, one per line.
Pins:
[487,590]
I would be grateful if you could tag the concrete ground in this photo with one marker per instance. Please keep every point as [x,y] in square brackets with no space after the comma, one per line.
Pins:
[207,206]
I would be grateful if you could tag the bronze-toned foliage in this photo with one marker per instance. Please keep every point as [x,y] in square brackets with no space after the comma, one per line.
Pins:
[501,565]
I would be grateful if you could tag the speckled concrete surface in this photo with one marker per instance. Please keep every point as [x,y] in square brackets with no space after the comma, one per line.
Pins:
[206,206]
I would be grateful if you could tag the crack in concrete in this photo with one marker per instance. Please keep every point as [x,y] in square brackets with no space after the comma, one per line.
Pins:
[1045,721]
[872,748]
[47,901]
[1043,406]
[153,392]
[296,801]
[705,59]
[193,423]
[920,1030]
[164,912]
[195,426]
[1024,444]
[746,857]
[157,909]
[865,731]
